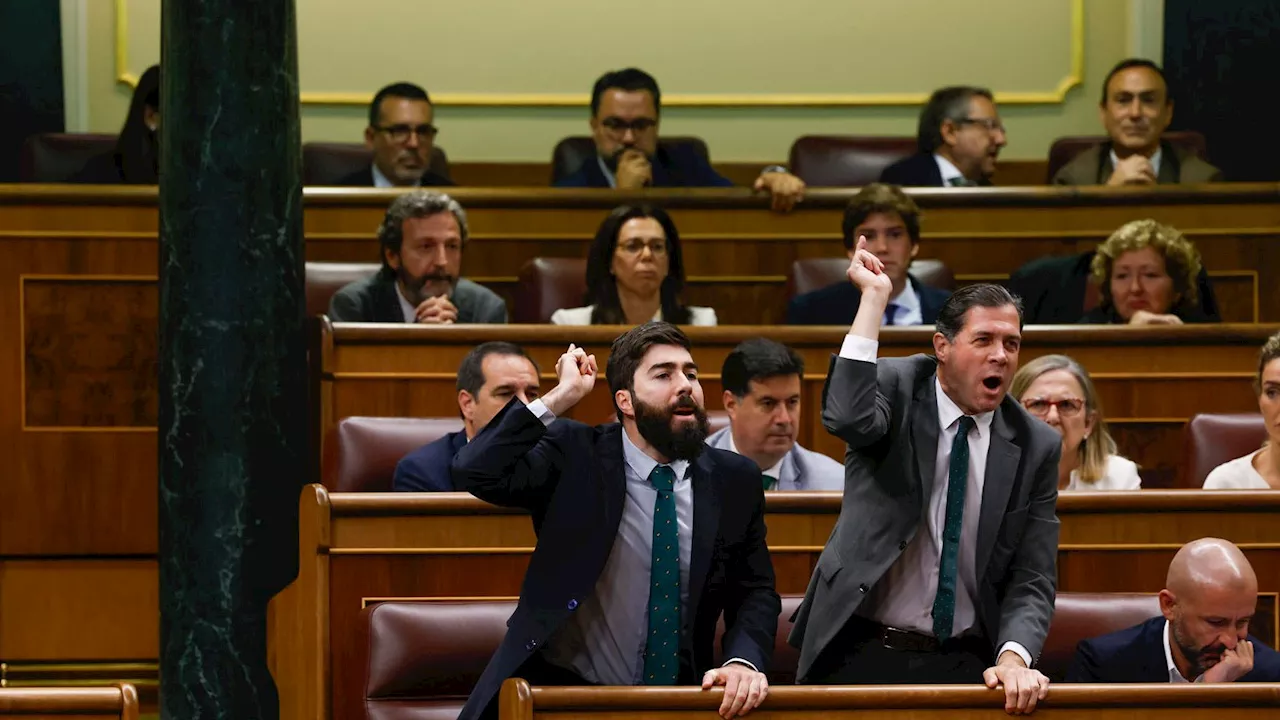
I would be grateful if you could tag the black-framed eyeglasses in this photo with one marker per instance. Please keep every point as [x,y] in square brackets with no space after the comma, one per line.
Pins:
[991,124]
[401,133]
[620,126]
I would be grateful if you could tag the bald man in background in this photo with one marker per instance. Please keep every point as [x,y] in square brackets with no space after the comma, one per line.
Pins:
[1210,595]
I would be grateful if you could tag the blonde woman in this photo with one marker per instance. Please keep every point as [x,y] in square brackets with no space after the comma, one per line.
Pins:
[1260,469]
[1058,390]
[1146,273]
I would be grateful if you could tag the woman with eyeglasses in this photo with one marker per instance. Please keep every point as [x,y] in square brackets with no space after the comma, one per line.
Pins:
[635,273]
[1058,390]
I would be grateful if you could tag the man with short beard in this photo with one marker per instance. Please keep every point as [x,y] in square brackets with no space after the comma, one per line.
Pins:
[421,238]
[645,535]
[1202,634]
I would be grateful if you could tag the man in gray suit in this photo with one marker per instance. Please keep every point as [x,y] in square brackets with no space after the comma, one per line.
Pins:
[941,566]
[421,238]
[761,380]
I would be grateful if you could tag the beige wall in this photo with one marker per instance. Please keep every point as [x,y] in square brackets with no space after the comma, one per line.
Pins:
[753,54]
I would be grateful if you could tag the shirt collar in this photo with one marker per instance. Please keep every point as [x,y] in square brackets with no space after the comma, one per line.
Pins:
[947,168]
[407,308]
[1175,675]
[949,412]
[608,174]
[907,300]
[772,472]
[1155,159]
[642,464]
[382,181]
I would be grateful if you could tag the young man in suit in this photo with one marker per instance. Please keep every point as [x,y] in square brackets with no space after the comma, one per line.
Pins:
[422,238]
[1136,109]
[941,568]
[959,139]
[401,136]
[489,377]
[626,108]
[1202,634]
[890,223]
[761,380]
[645,534]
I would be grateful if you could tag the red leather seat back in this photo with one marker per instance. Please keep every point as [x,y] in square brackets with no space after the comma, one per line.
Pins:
[323,279]
[324,163]
[57,157]
[846,160]
[1064,149]
[1080,616]
[811,274]
[547,284]
[361,453]
[1211,439]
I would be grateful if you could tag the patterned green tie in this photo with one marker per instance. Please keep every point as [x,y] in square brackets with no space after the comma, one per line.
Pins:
[769,482]
[944,603]
[961,181]
[662,646]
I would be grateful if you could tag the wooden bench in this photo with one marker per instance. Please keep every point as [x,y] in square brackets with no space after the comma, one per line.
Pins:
[120,702]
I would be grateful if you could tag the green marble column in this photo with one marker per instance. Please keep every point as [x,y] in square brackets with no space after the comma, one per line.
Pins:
[233,402]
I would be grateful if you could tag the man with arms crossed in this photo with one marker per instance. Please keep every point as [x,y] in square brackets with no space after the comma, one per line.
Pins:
[941,566]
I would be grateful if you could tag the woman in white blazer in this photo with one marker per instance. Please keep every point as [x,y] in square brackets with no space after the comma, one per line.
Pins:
[1059,391]
[635,273]
[1260,469]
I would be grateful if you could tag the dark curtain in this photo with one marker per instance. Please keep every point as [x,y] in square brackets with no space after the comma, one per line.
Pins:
[30,76]
[1222,59]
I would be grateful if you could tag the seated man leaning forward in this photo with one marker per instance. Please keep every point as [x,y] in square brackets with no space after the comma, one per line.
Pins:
[1210,595]
[646,536]
[422,238]
[762,383]
[626,107]
[490,375]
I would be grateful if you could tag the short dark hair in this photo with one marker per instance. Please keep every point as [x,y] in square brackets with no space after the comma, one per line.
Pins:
[405,90]
[602,286]
[880,198]
[471,371]
[1134,63]
[989,295]
[415,204]
[949,103]
[629,79]
[629,349]
[758,359]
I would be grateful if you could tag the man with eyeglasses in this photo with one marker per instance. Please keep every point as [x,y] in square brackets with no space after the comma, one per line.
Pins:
[401,136]
[625,113]
[959,139]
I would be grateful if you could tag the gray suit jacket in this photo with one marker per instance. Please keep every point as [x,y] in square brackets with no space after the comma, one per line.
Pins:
[1093,167]
[887,412]
[374,300]
[801,469]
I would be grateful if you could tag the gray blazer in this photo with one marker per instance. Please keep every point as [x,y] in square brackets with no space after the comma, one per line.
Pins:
[374,300]
[887,412]
[1177,166]
[801,469]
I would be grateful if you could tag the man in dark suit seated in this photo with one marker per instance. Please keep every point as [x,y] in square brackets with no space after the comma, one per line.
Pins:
[959,139]
[890,223]
[489,376]
[646,535]
[1136,109]
[401,136]
[626,107]
[1210,595]
[421,238]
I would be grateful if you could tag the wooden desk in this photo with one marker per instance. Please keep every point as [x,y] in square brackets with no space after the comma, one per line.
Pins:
[360,548]
[70,703]
[1245,701]
[1151,380]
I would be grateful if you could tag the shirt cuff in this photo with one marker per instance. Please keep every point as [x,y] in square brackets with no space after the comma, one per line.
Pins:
[1016,647]
[541,412]
[740,661]
[856,347]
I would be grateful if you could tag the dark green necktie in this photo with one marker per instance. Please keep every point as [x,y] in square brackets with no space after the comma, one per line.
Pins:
[944,603]
[769,482]
[961,181]
[662,644]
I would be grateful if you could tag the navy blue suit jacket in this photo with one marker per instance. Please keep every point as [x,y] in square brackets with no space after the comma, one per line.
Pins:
[1136,655]
[675,166]
[427,468]
[836,304]
[919,170]
[570,477]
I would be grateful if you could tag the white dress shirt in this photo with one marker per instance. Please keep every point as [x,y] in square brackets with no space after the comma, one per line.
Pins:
[908,312]
[948,169]
[1155,160]
[904,597]
[1175,675]
[407,308]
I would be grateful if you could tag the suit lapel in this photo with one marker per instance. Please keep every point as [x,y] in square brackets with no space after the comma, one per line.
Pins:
[386,302]
[613,480]
[706,525]
[791,470]
[1169,166]
[925,432]
[1002,465]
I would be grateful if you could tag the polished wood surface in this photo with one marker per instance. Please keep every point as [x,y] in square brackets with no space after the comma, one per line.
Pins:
[71,702]
[519,701]
[359,548]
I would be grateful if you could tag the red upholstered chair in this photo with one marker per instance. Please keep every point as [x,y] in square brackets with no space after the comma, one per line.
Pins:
[546,285]
[323,279]
[1065,148]
[361,453]
[324,163]
[571,152]
[57,157]
[1080,616]
[846,160]
[1209,439]
[812,274]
